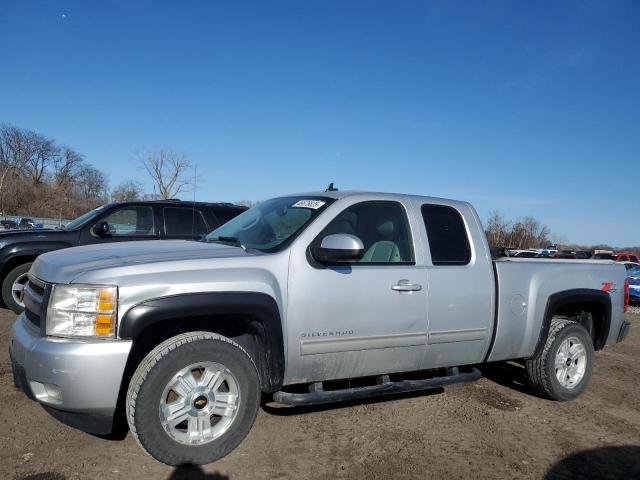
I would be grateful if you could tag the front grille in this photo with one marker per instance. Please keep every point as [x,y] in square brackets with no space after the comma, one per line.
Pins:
[35,296]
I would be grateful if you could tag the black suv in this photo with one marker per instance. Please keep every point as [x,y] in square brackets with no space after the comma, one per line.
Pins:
[113,222]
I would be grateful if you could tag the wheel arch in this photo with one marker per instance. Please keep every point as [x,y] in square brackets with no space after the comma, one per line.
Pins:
[16,261]
[573,303]
[252,319]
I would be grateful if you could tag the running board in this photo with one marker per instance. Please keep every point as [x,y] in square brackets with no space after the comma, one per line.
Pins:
[317,395]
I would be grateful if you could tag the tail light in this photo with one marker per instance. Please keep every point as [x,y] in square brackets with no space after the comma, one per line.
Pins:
[626,294]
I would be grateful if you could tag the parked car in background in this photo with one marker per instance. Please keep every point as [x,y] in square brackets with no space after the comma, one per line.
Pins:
[8,224]
[19,223]
[633,277]
[603,255]
[563,255]
[113,222]
[631,265]
[626,257]
[526,254]
[26,223]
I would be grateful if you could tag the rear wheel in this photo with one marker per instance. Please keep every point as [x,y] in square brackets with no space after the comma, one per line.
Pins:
[563,368]
[193,399]
[13,287]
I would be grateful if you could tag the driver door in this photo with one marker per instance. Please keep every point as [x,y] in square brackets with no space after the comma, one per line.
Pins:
[356,319]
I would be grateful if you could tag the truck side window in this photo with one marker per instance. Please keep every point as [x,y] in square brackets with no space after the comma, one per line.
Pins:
[383,228]
[131,222]
[448,241]
[182,221]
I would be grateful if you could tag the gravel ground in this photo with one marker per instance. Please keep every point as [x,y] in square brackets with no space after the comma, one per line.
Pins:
[489,429]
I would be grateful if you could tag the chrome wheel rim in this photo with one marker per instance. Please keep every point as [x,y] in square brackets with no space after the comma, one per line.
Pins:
[17,289]
[571,362]
[199,403]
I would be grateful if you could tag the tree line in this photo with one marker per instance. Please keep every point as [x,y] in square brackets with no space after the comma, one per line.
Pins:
[528,232]
[520,234]
[42,178]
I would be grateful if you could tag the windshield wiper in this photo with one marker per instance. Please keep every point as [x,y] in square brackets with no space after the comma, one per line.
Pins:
[235,241]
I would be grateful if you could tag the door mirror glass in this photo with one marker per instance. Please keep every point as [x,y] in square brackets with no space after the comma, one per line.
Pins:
[339,247]
[101,229]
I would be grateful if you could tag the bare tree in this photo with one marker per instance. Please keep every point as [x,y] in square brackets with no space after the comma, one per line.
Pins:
[497,230]
[92,185]
[168,170]
[66,166]
[127,191]
[41,153]
[14,154]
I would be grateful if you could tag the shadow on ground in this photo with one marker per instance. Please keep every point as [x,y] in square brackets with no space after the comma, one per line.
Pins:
[195,473]
[612,463]
[508,374]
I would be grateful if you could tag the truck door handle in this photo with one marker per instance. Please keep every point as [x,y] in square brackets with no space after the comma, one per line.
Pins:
[406,286]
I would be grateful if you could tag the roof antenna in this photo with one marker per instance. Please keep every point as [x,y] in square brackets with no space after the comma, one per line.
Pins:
[331,188]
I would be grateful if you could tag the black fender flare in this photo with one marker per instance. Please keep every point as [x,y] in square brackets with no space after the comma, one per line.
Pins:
[567,297]
[260,308]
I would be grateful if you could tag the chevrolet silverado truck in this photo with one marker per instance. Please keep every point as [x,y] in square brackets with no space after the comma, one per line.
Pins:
[301,300]
[113,222]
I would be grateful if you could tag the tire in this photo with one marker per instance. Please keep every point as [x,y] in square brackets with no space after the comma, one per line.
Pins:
[574,369]
[8,295]
[160,369]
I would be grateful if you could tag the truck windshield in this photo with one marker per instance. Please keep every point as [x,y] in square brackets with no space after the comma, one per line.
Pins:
[82,219]
[273,224]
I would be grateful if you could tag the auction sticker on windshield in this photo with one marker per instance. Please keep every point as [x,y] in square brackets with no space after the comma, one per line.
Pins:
[315,204]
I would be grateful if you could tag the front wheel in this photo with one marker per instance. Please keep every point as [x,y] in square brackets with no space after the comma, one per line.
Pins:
[193,399]
[563,368]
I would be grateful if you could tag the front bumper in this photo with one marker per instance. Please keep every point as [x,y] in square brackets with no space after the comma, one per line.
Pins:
[77,381]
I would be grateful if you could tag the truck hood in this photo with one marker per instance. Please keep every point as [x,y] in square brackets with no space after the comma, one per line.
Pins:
[63,266]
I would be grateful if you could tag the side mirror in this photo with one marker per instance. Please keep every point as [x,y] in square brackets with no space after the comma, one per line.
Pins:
[339,247]
[101,229]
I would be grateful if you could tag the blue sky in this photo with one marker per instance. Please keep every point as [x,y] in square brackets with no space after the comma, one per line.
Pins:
[531,108]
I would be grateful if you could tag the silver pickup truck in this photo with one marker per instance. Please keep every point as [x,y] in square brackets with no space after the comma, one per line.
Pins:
[308,298]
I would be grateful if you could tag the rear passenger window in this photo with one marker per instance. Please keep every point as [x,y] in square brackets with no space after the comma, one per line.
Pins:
[448,239]
[184,222]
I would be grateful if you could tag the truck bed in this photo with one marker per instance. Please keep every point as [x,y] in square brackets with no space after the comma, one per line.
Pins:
[524,287]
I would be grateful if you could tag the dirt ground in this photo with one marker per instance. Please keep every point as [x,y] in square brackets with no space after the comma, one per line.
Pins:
[489,429]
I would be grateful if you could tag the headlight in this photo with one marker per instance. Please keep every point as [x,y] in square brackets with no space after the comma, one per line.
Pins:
[82,311]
